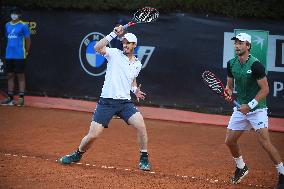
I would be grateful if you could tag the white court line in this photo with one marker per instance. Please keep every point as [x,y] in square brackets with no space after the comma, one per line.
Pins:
[209,180]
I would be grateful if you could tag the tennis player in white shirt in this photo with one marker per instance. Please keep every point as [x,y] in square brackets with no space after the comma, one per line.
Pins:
[122,69]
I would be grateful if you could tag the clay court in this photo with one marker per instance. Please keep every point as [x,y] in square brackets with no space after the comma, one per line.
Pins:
[183,155]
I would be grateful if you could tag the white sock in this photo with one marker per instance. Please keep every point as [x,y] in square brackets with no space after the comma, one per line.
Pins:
[240,162]
[280,168]
[143,150]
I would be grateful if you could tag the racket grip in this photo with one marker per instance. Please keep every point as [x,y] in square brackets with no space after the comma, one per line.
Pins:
[125,26]
[128,25]
[237,104]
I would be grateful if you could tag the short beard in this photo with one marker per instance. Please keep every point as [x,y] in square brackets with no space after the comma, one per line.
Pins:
[241,53]
[127,53]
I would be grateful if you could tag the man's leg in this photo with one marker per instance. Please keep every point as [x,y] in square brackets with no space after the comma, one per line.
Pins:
[259,121]
[231,141]
[22,82]
[138,122]
[264,140]
[22,88]
[11,85]
[95,130]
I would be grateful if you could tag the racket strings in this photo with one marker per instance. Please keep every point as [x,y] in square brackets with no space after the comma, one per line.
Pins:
[216,85]
[213,83]
[146,14]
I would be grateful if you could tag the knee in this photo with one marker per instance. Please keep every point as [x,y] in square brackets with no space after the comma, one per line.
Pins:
[10,76]
[95,130]
[265,143]
[140,126]
[138,123]
[91,137]
[141,129]
[21,76]
[230,142]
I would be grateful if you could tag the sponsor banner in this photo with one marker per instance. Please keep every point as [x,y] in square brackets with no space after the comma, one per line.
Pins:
[174,51]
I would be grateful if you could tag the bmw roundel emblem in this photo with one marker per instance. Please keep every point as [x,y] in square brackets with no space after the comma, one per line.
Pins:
[91,61]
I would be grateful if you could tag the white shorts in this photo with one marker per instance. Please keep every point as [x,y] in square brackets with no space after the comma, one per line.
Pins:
[257,119]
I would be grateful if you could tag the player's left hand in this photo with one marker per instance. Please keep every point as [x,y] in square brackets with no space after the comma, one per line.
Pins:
[119,30]
[244,109]
[139,94]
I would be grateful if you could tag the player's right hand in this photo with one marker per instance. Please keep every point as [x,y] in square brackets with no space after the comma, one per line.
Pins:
[228,94]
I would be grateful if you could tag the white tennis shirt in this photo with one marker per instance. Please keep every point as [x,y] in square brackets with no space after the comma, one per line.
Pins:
[120,74]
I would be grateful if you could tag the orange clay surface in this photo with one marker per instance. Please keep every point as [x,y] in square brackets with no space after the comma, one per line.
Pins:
[183,155]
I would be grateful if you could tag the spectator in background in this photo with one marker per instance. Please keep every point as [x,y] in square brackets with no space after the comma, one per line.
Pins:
[17,49]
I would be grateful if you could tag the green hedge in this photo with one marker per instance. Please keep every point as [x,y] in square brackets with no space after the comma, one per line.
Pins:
[232,8]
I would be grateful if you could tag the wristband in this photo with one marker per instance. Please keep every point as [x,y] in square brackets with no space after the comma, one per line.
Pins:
[252,104]
[111,36]
[133,89]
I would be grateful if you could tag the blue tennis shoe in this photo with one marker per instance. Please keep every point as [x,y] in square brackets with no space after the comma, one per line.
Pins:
[72,158]
[144,162]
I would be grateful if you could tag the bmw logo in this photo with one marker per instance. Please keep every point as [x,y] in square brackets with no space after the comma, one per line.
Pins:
[92,62]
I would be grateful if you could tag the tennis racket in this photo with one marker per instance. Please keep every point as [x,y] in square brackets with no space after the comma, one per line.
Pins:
[144,15]
[216,85]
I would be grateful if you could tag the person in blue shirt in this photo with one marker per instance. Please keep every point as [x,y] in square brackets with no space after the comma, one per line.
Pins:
[17,49]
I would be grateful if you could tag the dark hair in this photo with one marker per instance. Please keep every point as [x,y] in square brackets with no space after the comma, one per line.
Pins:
[16,10]
[248,44]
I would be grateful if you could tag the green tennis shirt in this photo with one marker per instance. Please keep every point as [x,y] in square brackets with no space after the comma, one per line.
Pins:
[246,75]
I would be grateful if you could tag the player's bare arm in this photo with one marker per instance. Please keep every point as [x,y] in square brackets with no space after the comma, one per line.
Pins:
[262,93]
[229,89]
[100,47]
[264,89]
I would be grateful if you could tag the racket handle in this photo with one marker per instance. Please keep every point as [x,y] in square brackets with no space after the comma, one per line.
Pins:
[129,24]
[125,26]
[237,104]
